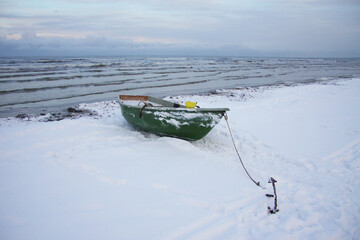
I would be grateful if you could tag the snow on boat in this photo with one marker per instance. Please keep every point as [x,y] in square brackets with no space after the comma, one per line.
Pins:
[170,119]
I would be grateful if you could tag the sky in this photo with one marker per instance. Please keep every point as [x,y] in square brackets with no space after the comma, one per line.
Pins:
[288,28]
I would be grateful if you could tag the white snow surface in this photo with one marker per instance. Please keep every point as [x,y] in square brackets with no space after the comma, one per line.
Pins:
[99,178]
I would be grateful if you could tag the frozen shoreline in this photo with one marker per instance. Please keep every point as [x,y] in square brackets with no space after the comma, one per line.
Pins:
[81,110]
[96,177]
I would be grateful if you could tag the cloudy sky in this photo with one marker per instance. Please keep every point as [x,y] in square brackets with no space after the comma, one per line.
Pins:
[324,28]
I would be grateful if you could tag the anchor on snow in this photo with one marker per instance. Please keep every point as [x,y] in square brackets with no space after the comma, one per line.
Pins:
[272,180]
[275,209]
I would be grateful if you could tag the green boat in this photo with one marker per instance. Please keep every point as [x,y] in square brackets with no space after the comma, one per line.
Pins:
[169,119]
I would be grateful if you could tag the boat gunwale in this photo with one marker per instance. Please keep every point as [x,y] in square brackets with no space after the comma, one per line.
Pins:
[164,108]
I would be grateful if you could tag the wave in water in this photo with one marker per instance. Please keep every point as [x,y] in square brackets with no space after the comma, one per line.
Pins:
[30,84]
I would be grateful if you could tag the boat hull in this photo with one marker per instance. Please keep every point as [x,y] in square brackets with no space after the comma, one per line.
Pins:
[190,124]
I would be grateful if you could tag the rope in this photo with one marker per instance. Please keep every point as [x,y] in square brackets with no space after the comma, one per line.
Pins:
[232,138]
[143,108]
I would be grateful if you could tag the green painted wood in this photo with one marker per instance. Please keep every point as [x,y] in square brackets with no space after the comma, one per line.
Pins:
[190,124]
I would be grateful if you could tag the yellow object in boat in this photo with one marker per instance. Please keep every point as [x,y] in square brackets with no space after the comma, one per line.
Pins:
[190,104]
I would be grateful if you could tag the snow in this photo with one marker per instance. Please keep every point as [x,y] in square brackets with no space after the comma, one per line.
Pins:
[181,118]
[96,177]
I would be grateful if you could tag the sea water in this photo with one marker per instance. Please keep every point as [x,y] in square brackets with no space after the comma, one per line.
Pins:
[31,85]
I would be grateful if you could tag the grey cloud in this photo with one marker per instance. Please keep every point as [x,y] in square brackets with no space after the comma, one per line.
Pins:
[41,46]
[100,46]
[306,27]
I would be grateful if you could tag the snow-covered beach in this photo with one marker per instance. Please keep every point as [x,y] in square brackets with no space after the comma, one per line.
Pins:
[95,177]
